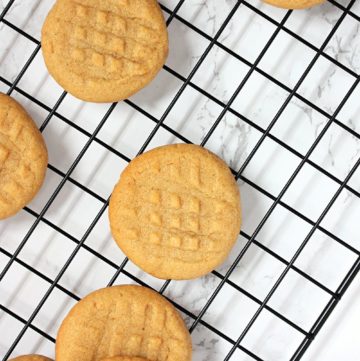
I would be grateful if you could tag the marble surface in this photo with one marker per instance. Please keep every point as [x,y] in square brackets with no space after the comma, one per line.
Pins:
[194,113]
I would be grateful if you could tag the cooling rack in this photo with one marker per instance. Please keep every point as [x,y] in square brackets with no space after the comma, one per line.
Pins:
[274,93]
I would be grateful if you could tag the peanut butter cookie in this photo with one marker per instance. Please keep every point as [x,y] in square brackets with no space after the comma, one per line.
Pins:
[294,4]
[123,358]
[104,51]
[31,358]
[175,211]
[23,157]
[130,321]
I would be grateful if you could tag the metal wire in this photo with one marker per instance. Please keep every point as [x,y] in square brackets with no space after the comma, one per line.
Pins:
[335,296]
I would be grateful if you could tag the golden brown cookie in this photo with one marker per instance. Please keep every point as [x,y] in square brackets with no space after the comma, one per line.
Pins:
[131,321]
[175,211]
[294,4]
[104,51]
[31,358]
[23,157]
[123,358]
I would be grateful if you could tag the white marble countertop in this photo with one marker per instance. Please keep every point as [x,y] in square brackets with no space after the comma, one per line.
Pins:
[229,61]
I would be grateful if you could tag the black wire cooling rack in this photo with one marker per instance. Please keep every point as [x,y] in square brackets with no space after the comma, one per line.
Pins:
[307,336]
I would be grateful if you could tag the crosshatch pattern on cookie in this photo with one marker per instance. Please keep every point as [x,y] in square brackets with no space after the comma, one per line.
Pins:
[183,227]
[104,51]
[130,328]
[176,220]
[17,156]
[180,220]
[150,334]
[113,45]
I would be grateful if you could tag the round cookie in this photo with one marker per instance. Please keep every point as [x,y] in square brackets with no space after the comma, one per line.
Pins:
[131,321]
[123,358]
[104,51]
[31,358]
[23,157]
[175,211]
[294,4]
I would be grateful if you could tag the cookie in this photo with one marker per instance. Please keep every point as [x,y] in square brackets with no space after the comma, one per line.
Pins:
[123,358]
[130,321]
[23,157]
[294,4]
[104,51]
[32,358]
[175,211]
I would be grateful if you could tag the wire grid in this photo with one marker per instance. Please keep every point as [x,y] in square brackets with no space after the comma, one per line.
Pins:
[307,336]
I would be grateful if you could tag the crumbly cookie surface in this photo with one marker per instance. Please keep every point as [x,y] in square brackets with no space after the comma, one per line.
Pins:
[175,211]
[131,321]
[104,50]
[294,4]
[23,157]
